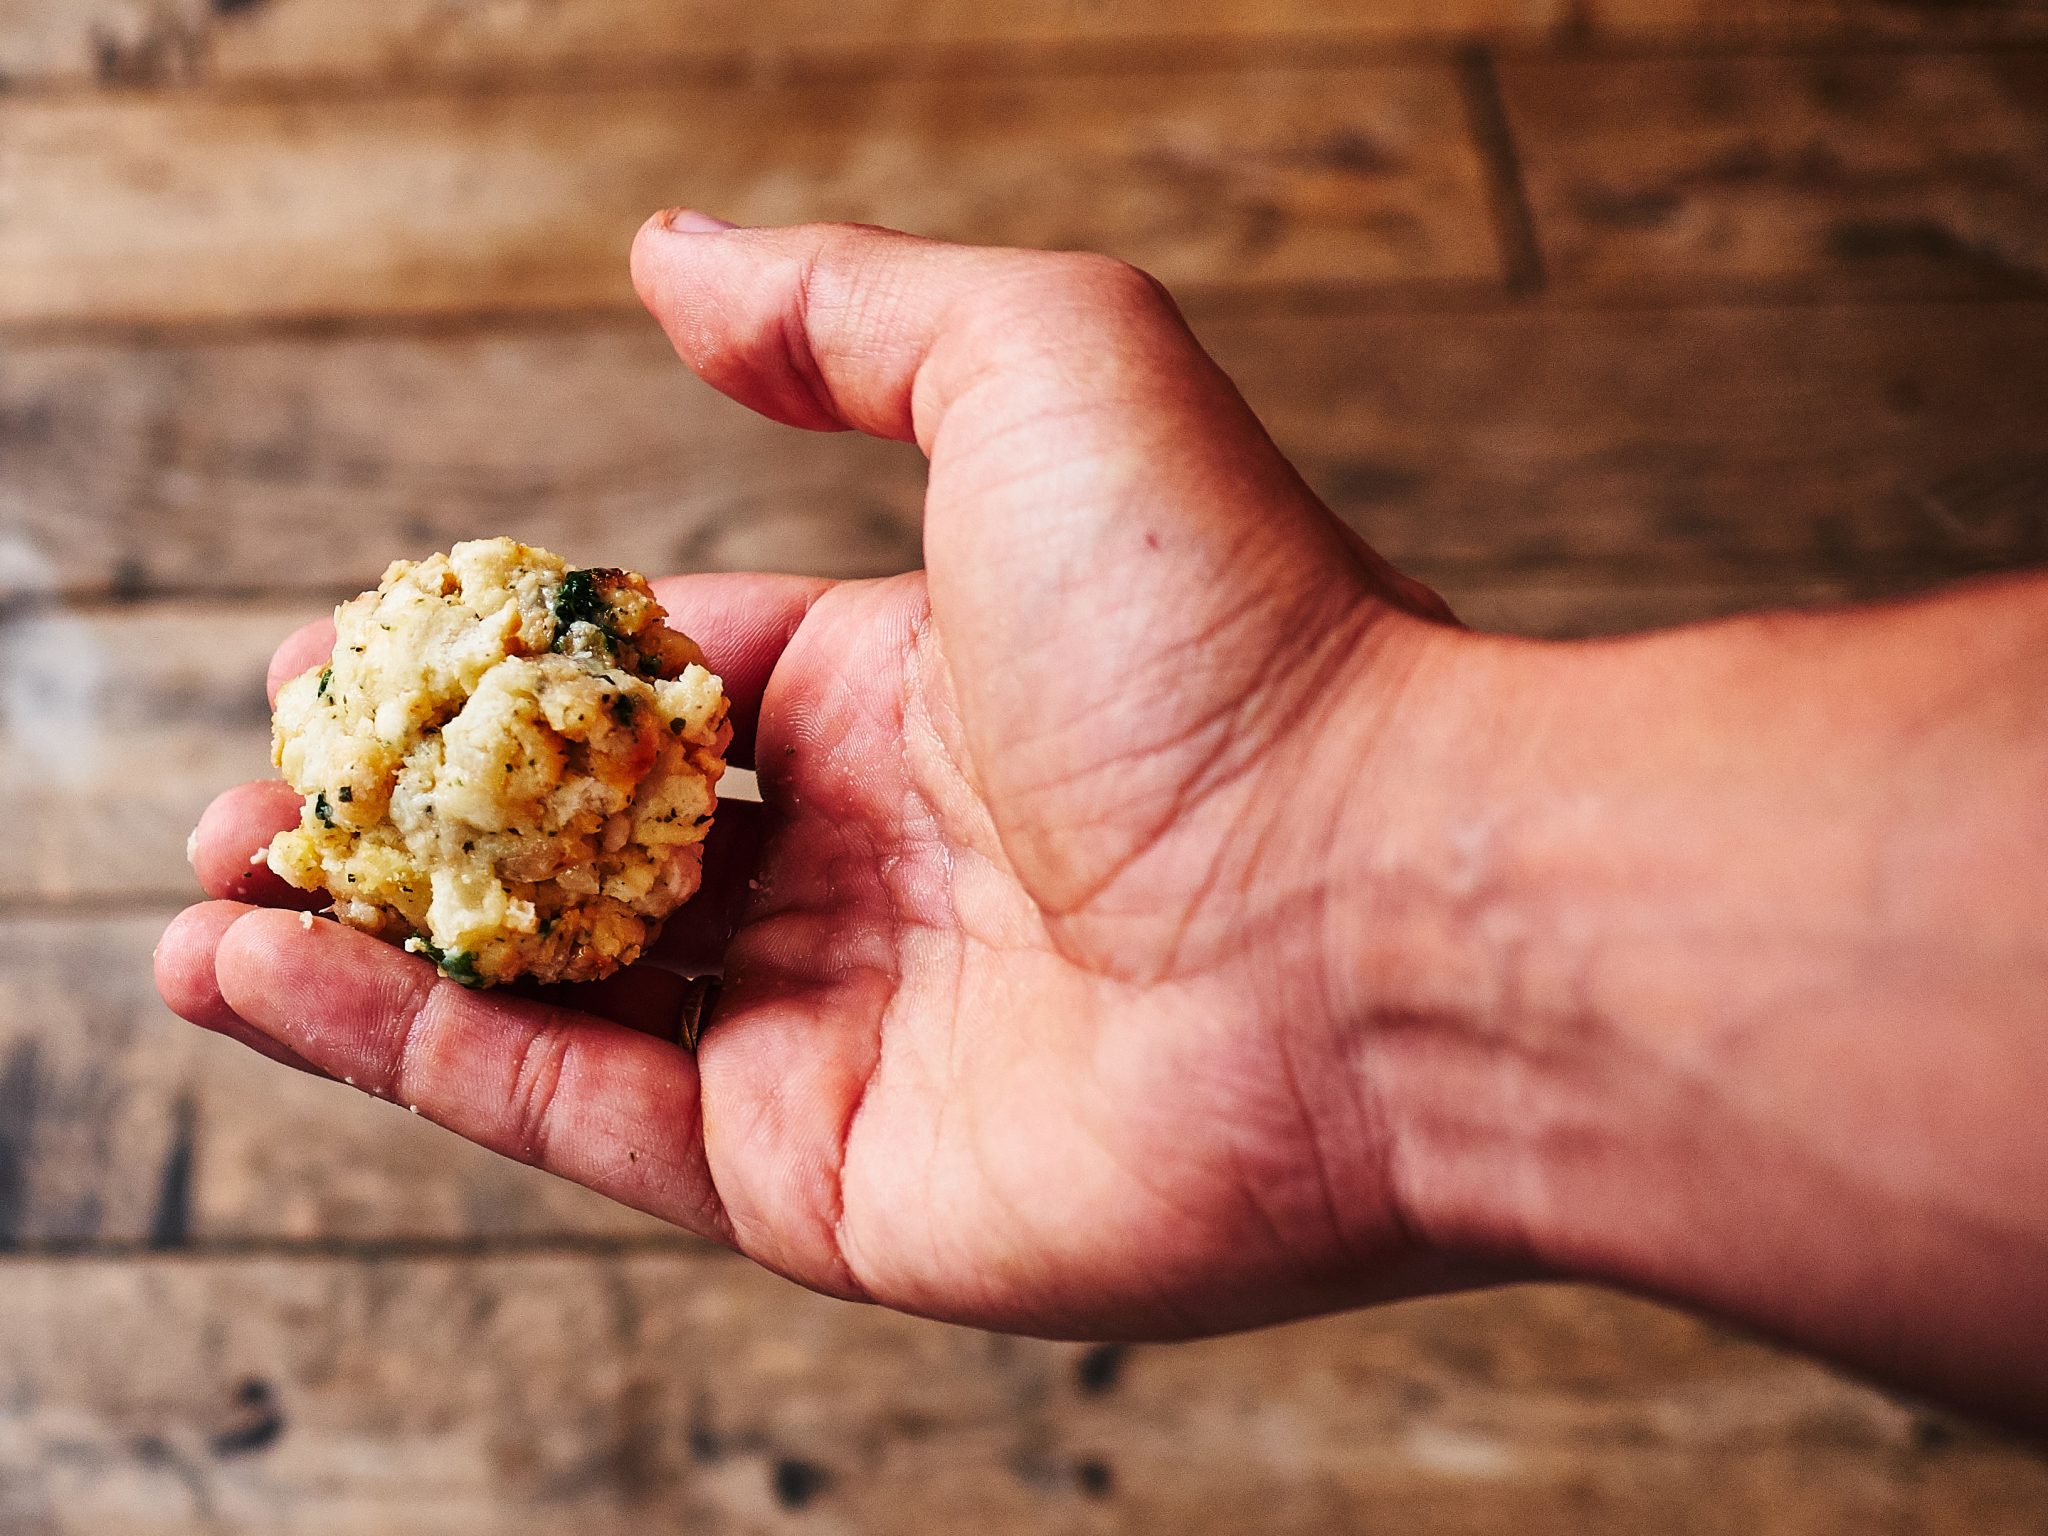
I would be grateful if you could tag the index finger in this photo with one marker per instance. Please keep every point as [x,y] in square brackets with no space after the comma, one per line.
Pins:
[596,1102]
[303,649]
[741,620]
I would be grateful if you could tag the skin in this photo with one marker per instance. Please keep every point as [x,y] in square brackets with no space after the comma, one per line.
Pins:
[1165,919]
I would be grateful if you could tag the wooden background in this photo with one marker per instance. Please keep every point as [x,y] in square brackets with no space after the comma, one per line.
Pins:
[1599,313]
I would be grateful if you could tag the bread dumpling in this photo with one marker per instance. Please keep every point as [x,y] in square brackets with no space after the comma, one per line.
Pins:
[509,765]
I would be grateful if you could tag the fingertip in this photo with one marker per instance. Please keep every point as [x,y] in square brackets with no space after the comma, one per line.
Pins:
[303,649]
[187,979]
[184,962]
[742,621]
[734,309]
[234,831]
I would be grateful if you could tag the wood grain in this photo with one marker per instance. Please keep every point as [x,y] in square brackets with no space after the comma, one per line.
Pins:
[181,41]
[187,207]
[1876,174]
[310,464]
[1651,446]
[120,1124]
[689,1391]
[118,728]
[309,42]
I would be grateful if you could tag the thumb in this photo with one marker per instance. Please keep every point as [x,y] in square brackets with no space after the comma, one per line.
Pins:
[1092,470]
[837,327]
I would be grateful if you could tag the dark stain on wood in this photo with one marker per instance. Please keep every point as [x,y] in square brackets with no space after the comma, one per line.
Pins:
[20,1092]
[797,1482]
[1627,209]
[1998,499]
[170,1225]
[1094,1477]
[129,579]
[703,1439]
[258,1422]
[235,7]
[30,424]
[1355,153]
[1931,240]
[1098,1371]
[1371,482]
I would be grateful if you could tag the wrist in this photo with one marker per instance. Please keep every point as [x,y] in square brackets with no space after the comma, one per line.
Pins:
[1692,962]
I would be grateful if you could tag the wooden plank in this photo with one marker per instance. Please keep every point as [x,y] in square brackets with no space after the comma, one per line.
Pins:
[121,1124]
[1862,444]
[179,42]
[1874,174]
[310,463]
[309,40]
[116,729]
[187,207]
[533,1395]
[1661,446]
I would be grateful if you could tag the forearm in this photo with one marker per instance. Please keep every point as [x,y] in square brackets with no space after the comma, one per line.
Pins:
[1718,971]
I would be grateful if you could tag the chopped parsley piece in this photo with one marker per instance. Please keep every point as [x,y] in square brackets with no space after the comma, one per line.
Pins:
[457,965]
[624,706]
[321,811]
[326,677]
[579,600]
[347,793]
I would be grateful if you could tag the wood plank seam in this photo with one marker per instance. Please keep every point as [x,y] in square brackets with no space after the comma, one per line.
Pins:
[1514,223]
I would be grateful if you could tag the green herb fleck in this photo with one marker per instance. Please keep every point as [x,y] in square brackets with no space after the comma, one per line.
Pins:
[458,965]
[321,811]
[579,600]
[326,677]
[624,706]
[347,793]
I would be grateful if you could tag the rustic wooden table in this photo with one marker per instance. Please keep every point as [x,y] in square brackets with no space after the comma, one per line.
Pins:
[1598,313]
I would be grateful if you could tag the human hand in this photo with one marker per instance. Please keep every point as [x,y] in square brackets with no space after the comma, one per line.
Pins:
[1162,919]
[1031,1017]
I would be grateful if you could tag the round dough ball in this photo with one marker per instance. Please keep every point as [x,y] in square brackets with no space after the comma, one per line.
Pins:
[509,766]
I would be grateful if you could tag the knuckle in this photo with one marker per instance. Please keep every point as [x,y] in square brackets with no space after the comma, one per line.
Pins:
[1111,283]
[1046,302]
[536,1080]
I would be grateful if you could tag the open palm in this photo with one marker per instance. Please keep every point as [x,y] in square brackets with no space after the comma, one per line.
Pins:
[1032,1016]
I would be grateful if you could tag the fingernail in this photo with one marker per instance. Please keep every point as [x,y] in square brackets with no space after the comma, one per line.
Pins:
[688,221]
